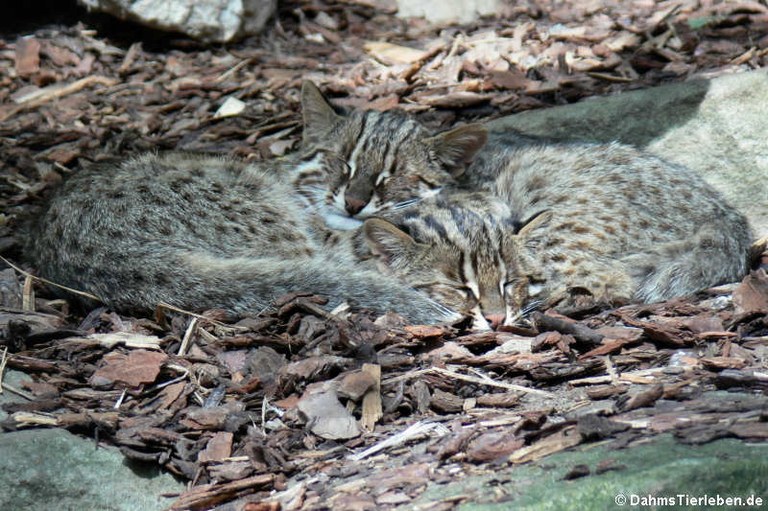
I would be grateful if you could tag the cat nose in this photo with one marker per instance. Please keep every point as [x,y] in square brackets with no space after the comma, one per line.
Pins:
[353,205]
[496,320]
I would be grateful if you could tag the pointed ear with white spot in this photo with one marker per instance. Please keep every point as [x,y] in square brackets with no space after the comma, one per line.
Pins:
[456,148]
[388,244]
[318,114]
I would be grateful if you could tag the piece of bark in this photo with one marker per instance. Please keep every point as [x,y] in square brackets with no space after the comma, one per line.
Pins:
[372,408]
[136,368]
[209,495]
[493,445]
[642,399]
[582,333]
[564,439]
[27,56]
[217,448]
[446,402]
[354,385]
[751,295]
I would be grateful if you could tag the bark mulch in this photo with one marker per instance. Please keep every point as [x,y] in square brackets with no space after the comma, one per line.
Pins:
[359,412]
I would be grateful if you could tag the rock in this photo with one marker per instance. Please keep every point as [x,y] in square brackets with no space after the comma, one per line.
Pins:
[447,11]
[716,127]
[217,21]
[657,467]
[39,467]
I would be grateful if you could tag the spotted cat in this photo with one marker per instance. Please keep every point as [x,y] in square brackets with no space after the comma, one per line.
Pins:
[584,225]
[201,232]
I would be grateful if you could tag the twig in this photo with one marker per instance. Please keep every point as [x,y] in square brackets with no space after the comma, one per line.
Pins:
[57,91]
[608,77]
[3,361]
[50,283]
[631,376]
[611,370]
[413,431]
[471,379]
[492,383]
[232,70]
[130,57]
[188,336]
[212,321]
[19,392]
[120,400]
[579,332]
[28,295]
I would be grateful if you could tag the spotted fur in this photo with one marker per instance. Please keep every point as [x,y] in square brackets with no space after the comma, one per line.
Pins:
[571,226]
[201,232]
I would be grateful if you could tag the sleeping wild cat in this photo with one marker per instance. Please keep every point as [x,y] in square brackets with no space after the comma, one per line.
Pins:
[569,226]
[203,232]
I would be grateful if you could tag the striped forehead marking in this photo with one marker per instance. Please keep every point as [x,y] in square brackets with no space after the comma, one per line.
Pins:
[468,272]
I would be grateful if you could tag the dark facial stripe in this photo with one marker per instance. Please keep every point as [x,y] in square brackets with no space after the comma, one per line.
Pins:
[432,223]
[462,259]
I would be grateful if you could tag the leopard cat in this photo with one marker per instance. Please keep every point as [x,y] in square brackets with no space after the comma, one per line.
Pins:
[201,232]
[392,159]
[571,226]
[451,247]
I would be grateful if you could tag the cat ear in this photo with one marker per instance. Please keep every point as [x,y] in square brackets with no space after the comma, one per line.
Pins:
[387,242]
[539,219]
[457,147]
[318,114]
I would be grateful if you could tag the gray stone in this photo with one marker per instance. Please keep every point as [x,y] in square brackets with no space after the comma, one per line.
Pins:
[53,469]
[447,11]
[716,127]
[210,21]
[658,467]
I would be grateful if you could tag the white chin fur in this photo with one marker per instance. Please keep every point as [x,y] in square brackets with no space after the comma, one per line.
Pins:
[479,323]
[340,222]
[481,326]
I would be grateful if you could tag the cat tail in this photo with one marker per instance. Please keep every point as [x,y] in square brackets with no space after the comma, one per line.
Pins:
[249,285]
[709,258]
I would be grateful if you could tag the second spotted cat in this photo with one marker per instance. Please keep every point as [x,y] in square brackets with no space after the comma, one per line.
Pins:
[566,225]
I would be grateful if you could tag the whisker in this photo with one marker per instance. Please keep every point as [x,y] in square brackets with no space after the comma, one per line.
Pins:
[531,307]
[405,204]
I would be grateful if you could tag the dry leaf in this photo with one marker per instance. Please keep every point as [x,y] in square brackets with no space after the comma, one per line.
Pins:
[393,54]
[325,415]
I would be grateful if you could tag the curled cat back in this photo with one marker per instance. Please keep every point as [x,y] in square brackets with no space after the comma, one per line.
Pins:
[201,232]
[392,160]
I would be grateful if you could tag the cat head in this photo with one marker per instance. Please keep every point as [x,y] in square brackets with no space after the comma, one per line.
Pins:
[469,260]
[391,159]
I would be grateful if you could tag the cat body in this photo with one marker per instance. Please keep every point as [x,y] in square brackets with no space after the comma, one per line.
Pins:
[201,232]
[621,223]
[585,225]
